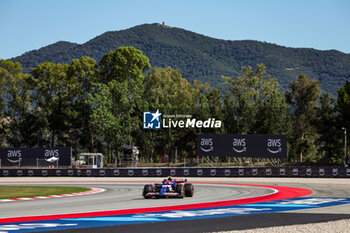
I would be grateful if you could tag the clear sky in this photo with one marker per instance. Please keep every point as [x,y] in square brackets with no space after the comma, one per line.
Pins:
[321,24]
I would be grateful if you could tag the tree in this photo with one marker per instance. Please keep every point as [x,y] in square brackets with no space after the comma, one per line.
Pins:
[302,99]
[209,104]
[272,115]
[15,104]
[343,106]
[166,90]
[125,63]
[230,115]
[53,94]
[254,103]
[328,127]
[103,119]
[85,73]
[121,74]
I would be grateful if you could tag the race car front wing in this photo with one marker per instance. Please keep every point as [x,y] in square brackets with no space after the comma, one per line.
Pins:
[165,194]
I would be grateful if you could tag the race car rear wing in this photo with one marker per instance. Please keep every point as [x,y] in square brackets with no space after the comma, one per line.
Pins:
[177,181]
[180,180]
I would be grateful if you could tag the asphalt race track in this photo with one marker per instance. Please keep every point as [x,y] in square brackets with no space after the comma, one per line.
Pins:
[328,201]
[120,196]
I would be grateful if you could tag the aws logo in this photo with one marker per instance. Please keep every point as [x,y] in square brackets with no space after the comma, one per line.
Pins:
[51,155]
[239,145]
[14,156]
[274,146]
[207,144]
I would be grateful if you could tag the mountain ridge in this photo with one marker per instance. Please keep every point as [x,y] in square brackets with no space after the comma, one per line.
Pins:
[201,57]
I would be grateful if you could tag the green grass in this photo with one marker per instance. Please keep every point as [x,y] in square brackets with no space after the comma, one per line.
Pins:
[8,192]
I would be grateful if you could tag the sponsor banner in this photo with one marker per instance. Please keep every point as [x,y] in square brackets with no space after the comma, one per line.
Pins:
[320,172]
[256,146]
[19,157]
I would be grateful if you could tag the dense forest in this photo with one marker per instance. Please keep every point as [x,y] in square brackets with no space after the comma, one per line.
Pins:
[203,58]
[98,106]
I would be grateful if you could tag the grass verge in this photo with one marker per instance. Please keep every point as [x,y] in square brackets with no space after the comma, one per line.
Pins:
[8,192]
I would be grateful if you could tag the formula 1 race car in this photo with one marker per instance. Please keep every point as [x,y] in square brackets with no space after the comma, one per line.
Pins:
[178,188]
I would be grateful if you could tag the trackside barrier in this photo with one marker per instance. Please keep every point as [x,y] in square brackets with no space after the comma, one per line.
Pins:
[319,172]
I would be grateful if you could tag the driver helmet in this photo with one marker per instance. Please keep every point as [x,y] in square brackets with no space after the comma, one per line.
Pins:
[169,178]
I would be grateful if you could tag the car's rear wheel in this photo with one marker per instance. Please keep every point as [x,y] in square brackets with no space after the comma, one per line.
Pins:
[180,190]
[189,190]
[147,189]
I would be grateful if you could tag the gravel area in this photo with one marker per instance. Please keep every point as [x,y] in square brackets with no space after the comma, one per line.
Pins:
[340,226]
